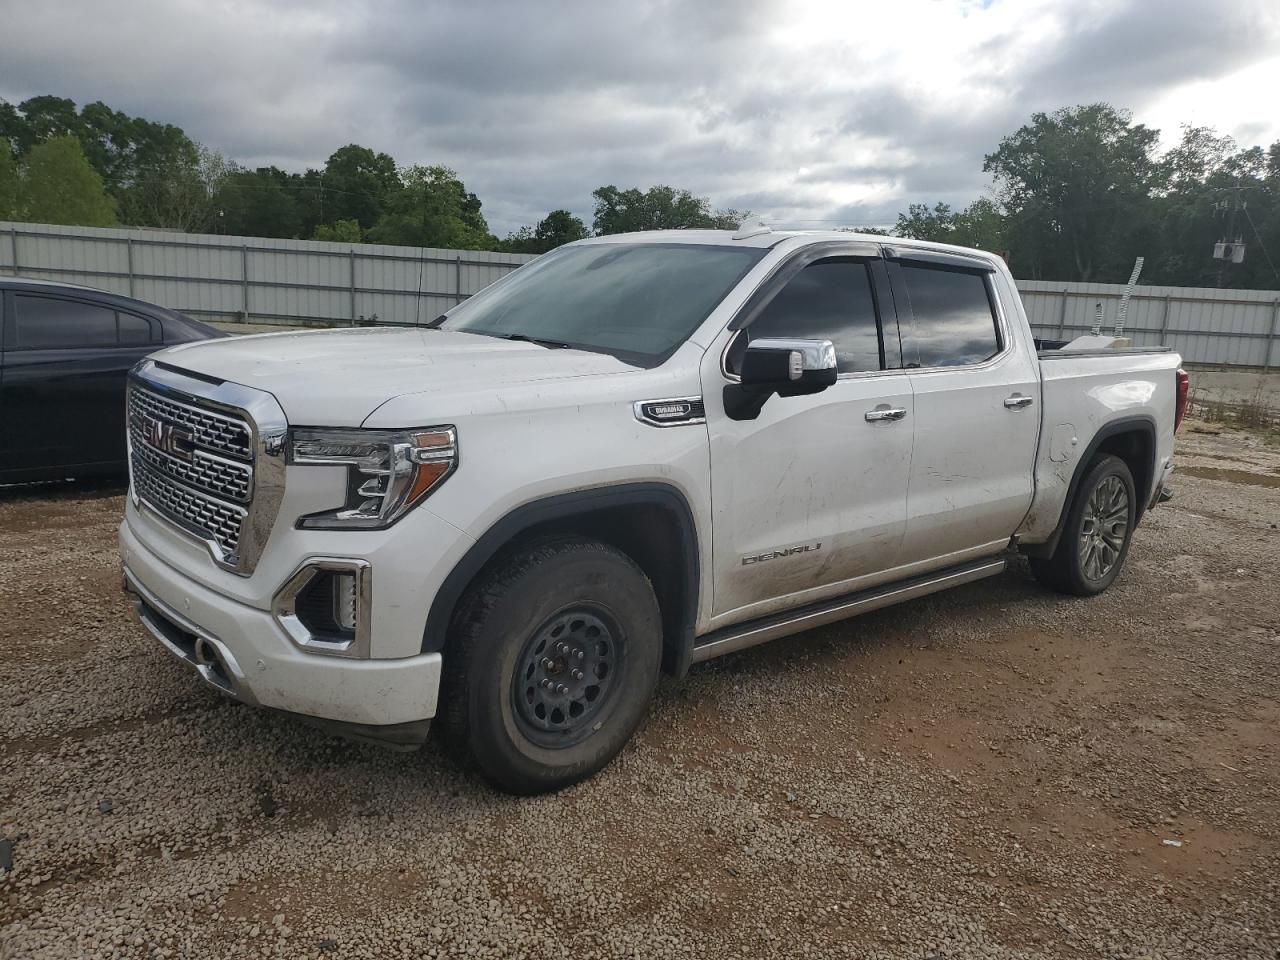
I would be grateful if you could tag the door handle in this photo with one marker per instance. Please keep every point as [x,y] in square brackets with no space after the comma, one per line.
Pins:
[885,413]
[1017,401]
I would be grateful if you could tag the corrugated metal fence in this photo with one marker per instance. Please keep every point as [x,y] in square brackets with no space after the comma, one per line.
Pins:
[259,280]
[255,280]
[1205,325]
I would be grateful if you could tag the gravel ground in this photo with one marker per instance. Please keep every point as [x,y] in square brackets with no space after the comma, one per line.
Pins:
[993,772]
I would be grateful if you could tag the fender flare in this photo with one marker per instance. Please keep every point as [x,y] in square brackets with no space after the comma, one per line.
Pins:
[1144,424]
[678,623]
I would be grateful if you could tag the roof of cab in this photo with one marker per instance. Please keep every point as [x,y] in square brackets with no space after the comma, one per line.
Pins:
[37,282]
[772,238]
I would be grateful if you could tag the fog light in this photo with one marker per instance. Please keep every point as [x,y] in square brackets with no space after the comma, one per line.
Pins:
[344,601]
[324,607]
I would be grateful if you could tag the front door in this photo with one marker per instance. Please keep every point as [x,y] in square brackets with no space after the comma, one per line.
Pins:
[809,499]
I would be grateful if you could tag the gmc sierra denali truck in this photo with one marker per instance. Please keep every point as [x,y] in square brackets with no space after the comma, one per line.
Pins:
[632,454]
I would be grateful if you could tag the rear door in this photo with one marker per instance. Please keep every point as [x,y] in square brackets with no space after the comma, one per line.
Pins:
[66,360]
[809,499]
[977,417]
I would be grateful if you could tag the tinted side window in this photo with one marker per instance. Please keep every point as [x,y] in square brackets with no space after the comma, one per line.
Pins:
[50,322]
[135,329]
[952,317]
[828,300]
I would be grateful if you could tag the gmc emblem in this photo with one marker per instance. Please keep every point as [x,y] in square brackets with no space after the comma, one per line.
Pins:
[166,437]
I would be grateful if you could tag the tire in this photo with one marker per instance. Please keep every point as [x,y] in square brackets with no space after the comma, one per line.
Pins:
[1092,549]
[573,612]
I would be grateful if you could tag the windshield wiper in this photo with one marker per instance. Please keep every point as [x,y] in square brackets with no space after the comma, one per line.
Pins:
[540,341]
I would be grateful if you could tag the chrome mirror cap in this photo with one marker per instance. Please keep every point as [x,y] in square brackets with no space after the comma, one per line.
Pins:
[806,356]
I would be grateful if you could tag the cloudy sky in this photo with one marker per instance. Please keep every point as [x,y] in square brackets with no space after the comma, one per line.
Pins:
[809,113]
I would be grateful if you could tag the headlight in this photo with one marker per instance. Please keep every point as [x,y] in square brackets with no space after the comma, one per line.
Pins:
[388,471]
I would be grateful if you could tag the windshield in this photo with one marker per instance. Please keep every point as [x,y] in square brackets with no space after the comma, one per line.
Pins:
[637,301]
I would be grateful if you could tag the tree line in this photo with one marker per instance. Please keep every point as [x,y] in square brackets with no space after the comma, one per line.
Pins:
[1077,194]
[1080,193]
[96,166]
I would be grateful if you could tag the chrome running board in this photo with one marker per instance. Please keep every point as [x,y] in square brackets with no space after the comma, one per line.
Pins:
[743,635]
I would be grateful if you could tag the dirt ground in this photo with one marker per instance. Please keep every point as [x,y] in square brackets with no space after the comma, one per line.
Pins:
[995,772]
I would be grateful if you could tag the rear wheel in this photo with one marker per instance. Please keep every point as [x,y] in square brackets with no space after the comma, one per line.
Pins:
[1099,527]
[552,660]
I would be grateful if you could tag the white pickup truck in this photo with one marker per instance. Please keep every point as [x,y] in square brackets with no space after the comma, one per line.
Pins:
[632,454]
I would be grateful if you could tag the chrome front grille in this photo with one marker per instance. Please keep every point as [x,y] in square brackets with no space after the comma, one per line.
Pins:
[220,476]
[207,518]
[213,431]
[208,458]
[230,480]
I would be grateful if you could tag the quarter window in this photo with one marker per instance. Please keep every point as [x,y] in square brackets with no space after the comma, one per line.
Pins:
[952,318]
[827,300]
[48,322]
[135,329]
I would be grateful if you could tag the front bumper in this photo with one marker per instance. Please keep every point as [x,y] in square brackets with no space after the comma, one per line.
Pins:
[243,653]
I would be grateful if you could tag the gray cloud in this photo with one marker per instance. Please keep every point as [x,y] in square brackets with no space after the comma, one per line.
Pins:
[537,104]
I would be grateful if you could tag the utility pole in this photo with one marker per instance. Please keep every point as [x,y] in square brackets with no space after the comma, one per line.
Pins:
[1230,247]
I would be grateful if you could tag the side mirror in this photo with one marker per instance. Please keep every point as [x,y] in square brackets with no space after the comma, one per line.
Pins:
[787,367]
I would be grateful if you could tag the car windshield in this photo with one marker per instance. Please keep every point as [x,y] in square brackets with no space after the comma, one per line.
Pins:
[636,301]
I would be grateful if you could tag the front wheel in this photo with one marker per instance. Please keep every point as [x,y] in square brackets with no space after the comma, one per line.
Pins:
[1098,531]
[551,662]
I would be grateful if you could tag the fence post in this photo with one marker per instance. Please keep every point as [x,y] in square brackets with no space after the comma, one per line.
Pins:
[1062,317]
[352,252]
[13,246]
[457,279]
[1164,320]
[244,281]
[129,254]
[1271,337]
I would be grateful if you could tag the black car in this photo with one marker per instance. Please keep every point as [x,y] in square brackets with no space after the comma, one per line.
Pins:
[64,356]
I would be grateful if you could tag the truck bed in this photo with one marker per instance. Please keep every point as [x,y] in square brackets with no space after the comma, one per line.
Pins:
[1087,396]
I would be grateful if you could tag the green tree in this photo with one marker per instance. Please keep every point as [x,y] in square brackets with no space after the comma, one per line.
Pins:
[341,231]
[142,163]
[1075,184]
[59,186]
[433,208]
[1211,190]
[178,192]
[257,203]
[9,184]
[658,208]
[43,118]
[356,185]
[980,224]
[554,230]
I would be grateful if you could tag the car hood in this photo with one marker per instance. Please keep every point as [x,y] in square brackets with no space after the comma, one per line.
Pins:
[339,377]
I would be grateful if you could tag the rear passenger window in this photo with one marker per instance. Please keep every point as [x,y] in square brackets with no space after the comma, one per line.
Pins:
[47,322]
[828,300]
[134,329]
[953,321]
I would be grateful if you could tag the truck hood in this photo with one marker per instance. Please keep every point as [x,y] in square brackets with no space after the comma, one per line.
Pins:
[339,377]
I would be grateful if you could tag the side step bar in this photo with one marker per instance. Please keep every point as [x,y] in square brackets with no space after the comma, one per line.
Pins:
[743,635]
